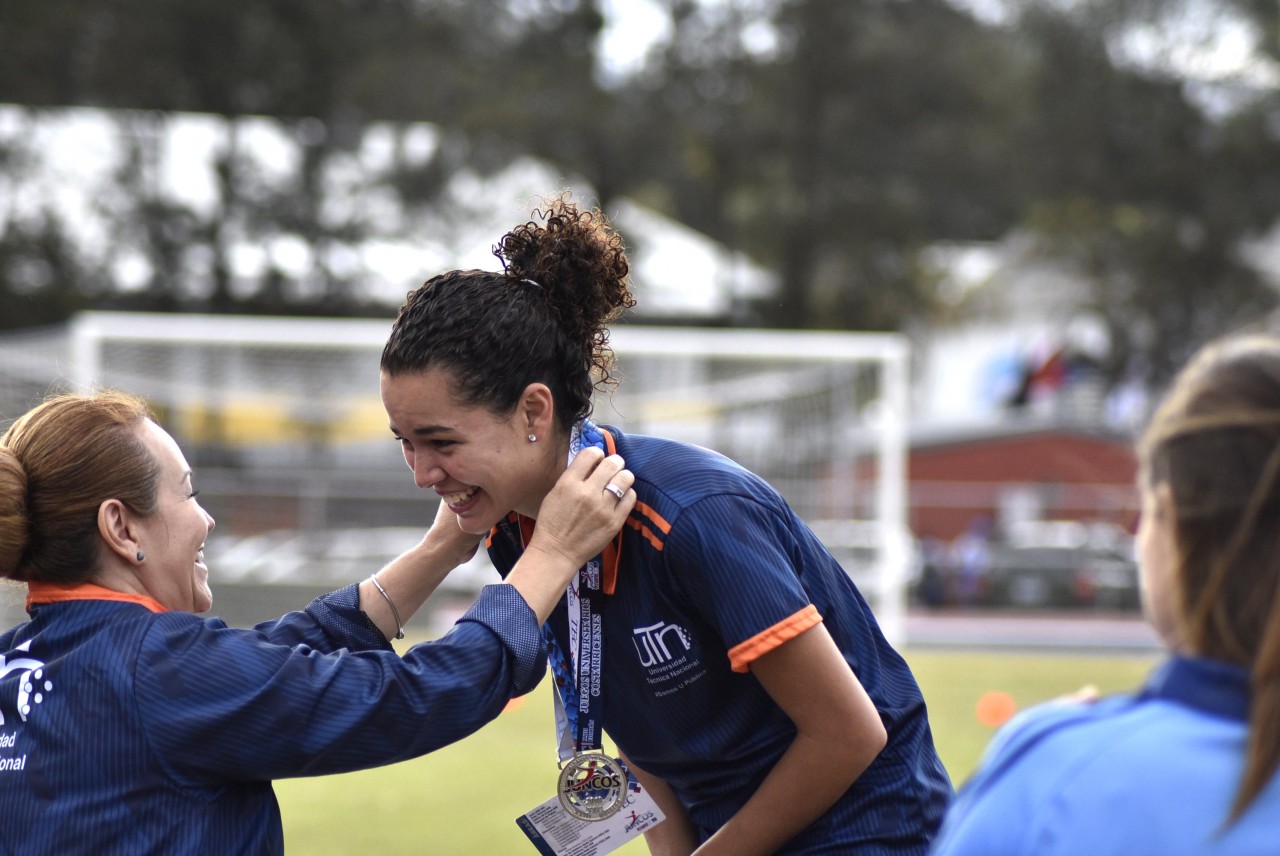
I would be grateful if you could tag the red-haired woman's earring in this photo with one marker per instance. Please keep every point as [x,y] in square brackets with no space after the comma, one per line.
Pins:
[533,438]
[141,555]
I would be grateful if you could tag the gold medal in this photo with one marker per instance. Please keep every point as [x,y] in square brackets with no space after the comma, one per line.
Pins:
[592,786]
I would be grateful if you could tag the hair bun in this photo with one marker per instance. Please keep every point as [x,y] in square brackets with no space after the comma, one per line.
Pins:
[14,525]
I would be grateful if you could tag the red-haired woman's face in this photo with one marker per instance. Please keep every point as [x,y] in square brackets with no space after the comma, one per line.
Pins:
[173,538]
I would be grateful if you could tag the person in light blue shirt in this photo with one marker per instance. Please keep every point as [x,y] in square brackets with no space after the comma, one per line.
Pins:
[1187,764]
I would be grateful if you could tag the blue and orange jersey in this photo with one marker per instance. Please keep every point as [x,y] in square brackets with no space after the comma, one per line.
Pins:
[712,571]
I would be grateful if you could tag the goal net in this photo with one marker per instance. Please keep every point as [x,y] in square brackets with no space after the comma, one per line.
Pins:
[280,417]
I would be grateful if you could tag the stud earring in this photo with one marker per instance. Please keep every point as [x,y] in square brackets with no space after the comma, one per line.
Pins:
[533,438]
[141,555]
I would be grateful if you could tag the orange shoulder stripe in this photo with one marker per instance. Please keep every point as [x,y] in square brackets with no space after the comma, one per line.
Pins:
[646,533]
[650,524]
[742,655]
[653,517]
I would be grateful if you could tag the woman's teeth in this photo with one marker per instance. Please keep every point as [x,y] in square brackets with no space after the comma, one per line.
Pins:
[460,497]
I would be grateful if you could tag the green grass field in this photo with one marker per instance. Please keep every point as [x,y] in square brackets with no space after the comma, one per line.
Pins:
[464,799]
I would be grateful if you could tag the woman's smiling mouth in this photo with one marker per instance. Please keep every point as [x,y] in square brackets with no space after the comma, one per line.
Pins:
[459,498]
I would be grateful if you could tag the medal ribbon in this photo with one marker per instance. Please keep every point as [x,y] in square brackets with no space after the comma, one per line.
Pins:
[579,702]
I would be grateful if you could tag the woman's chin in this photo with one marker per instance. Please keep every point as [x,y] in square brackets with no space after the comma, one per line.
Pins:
[202,599]
[476,525]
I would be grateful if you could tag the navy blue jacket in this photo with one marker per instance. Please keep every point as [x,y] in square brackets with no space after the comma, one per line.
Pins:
[128,729]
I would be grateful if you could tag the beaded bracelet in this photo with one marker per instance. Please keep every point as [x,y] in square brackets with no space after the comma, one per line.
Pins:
[395,612]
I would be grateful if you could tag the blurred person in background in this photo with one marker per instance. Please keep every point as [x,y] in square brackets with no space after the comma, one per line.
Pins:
[729,657]
[129,724]
[1185,766]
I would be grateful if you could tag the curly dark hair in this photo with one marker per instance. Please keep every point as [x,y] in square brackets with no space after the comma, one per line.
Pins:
[543,318]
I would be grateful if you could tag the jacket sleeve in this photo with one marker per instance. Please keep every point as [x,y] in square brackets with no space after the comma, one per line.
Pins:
[330,623]
[221,704]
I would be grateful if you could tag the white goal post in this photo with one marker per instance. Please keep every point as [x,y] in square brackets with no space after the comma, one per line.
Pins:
[274,407]
[749,393]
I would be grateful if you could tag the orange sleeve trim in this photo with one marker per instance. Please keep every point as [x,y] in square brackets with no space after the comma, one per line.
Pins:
[742,655]
[41,592]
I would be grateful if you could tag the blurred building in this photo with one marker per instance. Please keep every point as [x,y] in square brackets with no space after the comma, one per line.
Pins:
[1011,475]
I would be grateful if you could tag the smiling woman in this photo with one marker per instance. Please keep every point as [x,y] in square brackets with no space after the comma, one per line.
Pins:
[160,730]
[740,664]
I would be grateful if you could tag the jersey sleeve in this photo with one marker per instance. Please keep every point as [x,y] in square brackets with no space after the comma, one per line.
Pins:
[739,561]
[223,704]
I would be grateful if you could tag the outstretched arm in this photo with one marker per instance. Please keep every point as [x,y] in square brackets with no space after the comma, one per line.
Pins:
[838,734]
[412,577]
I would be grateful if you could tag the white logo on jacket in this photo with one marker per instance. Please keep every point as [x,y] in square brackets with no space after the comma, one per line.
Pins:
[32,684]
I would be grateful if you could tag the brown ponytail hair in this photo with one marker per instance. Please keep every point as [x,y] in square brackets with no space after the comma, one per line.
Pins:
[58,463]
[1215,442]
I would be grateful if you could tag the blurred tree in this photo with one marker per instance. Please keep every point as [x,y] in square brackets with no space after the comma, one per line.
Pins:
[1145,196]
[497,74]
[831,140]
[42,283]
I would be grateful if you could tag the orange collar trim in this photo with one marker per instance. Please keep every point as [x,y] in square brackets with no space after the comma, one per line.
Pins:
[41,592]
[610,558]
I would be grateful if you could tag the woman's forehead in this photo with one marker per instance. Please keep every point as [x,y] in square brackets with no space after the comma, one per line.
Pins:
[166,449]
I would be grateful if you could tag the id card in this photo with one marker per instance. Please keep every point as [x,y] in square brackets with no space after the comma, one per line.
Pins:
[555,832]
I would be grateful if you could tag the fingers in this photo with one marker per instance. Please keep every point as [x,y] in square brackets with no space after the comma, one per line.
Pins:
[605,473]
[614,480]
[1087,693]
[617,479]
[588,505]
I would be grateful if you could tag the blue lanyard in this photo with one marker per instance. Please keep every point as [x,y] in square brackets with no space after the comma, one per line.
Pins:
[580,693]
[580,702]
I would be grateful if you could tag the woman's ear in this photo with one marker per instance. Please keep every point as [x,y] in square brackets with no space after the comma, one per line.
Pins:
[116,528]
[537,408]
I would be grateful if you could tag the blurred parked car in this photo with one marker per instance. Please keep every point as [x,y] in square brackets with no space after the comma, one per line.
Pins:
[1061,577]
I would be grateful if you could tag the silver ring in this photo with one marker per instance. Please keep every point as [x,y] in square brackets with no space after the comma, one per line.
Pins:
[615,490]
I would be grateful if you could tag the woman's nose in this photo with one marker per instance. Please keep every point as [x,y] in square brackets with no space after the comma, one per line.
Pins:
[426,471]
